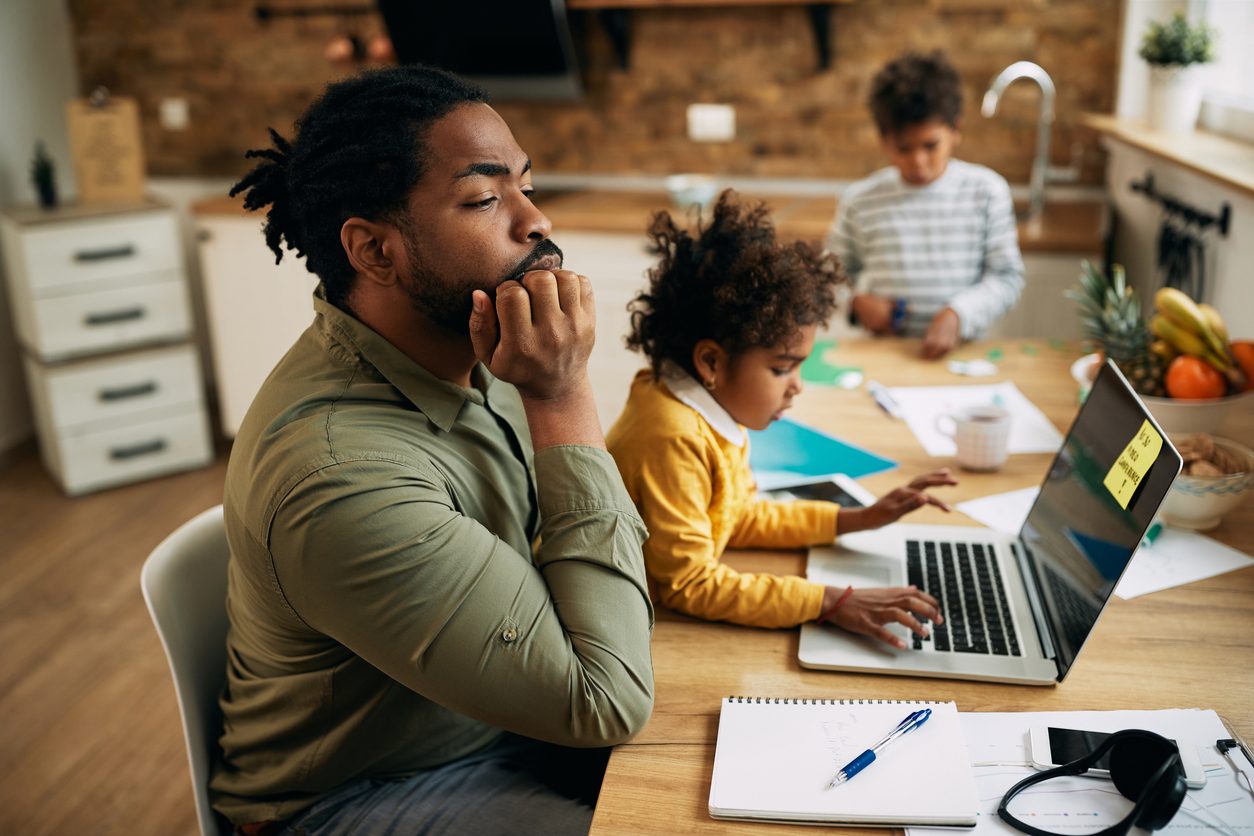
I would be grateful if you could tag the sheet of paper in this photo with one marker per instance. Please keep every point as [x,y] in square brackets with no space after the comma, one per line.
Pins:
[1001,511]
[1178,557]
[1030,430]
[997,745]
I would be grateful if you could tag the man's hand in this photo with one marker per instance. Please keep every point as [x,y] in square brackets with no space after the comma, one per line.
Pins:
[538,337]
[896,504]
[874,313]
[942,334]
[867,611]
[539,333]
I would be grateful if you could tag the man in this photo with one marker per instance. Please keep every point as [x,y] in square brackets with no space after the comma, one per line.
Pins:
[399,658]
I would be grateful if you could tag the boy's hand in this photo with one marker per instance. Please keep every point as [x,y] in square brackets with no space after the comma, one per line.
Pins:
[896,504]
[874,313]
[867,611]
[942,334]
[539,333]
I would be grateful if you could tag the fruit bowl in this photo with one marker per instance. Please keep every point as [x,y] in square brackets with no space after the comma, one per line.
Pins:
[1199,502]
[1175,416]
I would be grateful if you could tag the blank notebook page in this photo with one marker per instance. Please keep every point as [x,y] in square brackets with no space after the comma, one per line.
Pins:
[775,758]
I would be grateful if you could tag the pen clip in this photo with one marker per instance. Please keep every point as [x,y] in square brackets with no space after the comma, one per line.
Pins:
[912,721]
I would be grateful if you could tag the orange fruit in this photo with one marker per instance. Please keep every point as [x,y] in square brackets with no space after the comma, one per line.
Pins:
[1192,378]
[1243,350]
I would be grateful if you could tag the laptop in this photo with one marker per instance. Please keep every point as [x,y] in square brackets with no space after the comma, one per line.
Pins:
[1017,608]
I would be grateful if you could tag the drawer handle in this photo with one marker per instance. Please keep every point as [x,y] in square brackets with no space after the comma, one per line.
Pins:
[147,448]
[124,251]
[111,317]
[123,392]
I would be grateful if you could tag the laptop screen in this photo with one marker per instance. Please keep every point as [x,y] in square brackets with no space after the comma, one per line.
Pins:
[1079,535]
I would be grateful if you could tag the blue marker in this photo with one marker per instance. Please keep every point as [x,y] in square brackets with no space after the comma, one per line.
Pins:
[861,762]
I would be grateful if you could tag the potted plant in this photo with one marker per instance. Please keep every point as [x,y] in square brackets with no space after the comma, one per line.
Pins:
[44,176]
[1173,50]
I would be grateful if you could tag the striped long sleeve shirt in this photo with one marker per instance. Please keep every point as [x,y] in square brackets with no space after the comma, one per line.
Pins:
[953,242]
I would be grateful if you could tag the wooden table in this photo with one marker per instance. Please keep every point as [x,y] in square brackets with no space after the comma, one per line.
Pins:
[1191,646]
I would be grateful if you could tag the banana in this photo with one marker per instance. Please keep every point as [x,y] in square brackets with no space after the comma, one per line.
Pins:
[1186,342]
[1215,321]
[1184,312]
[1164,350]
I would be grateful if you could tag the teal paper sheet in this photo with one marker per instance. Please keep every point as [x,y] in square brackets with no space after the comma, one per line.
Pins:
[787,452]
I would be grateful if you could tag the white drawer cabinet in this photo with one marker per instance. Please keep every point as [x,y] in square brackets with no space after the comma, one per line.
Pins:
[104,319]
[101,313]
[98,249]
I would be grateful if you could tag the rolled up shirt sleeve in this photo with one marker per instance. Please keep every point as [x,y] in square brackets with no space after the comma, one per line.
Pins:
[684,556]
[555,645]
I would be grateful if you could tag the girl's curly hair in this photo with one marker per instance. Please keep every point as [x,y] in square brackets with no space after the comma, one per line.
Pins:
[731,282]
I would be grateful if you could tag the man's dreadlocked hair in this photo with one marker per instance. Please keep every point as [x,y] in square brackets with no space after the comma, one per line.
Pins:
[730,281]
[359,150]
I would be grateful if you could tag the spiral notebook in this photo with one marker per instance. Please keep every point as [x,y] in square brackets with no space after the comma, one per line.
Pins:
[775,758]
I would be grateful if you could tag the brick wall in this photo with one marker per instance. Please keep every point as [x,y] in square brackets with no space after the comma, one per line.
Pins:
[793,120]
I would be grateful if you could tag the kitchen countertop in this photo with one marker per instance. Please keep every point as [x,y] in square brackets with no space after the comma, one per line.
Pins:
[1064,227]
[1223,160]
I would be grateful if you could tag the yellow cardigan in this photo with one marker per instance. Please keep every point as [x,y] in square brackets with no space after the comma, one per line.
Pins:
[696,494]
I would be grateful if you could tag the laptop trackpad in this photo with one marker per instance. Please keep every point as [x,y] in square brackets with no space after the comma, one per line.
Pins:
[839,567]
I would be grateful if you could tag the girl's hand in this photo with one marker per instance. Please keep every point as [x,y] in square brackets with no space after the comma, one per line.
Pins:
[867,611]
[896,504]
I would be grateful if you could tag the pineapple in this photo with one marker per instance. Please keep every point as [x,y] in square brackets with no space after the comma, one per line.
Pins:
[1111,316]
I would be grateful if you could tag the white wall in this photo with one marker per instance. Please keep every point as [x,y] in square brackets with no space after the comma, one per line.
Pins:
[37,78]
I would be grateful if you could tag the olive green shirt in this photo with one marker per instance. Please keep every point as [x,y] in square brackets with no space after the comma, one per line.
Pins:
[388,612]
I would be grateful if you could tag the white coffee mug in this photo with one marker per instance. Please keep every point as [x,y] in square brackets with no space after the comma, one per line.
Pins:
[981,434]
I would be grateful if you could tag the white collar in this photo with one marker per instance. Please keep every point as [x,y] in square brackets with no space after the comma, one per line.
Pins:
[686,388]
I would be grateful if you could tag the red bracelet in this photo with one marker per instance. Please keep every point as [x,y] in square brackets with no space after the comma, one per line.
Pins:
[827,616]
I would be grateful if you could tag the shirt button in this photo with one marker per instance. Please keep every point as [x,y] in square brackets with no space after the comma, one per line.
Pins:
[509,634]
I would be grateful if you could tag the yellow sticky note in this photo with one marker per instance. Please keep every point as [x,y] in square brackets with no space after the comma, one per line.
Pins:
[1133,463]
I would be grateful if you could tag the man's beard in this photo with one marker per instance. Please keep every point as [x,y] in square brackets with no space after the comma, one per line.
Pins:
[448,303]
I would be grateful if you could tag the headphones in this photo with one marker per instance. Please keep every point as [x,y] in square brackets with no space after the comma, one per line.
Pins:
[1144,766]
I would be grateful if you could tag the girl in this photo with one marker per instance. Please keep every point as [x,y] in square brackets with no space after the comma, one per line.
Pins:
[728,318]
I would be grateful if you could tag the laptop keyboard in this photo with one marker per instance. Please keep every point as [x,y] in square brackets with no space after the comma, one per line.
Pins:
[1077,614]
[966,580]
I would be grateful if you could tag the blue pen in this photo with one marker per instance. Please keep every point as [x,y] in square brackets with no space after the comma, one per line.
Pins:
[884,399]
[861,762]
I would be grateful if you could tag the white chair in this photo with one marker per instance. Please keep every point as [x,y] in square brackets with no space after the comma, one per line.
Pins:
[184,583]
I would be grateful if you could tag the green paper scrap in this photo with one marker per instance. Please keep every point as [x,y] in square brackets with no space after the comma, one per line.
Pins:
[1029,349]
[1058,345]
[995,354]
[816,370]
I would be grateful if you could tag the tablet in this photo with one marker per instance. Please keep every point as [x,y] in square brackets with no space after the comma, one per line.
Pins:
[836,487]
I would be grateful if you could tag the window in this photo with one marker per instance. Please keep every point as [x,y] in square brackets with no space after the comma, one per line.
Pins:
[1228,105]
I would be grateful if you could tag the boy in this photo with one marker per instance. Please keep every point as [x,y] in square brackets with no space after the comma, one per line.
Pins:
[930,242]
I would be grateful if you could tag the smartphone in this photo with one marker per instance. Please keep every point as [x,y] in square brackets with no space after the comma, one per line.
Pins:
[833,488]
[1050,747]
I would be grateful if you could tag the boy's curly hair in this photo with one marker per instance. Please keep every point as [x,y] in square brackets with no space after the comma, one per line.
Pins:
[732,282]
[913,89]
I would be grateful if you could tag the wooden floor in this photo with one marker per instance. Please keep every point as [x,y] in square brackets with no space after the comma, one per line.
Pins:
[90,740]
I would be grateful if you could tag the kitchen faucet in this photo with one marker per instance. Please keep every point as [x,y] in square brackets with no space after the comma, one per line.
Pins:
[1041,170]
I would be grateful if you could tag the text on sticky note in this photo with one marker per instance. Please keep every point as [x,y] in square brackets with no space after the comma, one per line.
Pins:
[1133,463]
